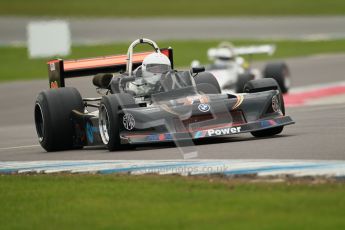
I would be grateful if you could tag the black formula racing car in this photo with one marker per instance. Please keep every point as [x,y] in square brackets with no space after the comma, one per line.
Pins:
[132,108]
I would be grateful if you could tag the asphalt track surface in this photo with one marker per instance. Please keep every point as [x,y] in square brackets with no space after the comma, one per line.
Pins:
[106,30]
[319,132]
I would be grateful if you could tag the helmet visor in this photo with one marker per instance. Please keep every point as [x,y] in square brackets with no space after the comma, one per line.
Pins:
[158,68]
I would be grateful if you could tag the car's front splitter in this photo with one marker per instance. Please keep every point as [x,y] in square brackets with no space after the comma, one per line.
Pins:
[210,131]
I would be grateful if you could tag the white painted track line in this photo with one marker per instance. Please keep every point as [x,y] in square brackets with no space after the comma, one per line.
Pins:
[19,147]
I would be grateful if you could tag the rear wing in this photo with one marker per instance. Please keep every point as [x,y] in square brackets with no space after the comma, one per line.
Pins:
[261,49]
[59,69]
[244,50]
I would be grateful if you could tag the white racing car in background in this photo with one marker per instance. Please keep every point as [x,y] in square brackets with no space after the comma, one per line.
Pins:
[232,71]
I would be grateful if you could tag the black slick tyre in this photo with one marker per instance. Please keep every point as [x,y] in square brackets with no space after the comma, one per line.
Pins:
[261,85]
[279,71]
[52,115]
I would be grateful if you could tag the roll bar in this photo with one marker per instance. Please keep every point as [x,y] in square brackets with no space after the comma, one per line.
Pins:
[129,68]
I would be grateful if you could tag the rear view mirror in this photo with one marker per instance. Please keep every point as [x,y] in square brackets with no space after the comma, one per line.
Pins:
[198,69]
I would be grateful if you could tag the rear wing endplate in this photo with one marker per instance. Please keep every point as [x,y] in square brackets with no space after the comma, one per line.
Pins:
[59,69]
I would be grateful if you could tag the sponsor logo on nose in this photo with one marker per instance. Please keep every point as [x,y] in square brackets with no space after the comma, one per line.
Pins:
[204,107]
[224,131]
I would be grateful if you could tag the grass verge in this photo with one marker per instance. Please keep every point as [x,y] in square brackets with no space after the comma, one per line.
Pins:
[187,8]
[15,64]
[169,202]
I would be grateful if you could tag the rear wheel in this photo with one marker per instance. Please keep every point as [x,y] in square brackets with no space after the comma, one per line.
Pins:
[261,85]
[242,80]
[52,113]
[204,79]
[207,88]
[279,71]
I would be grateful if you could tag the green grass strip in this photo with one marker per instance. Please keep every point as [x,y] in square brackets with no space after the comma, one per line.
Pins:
[152,202]
[186,8]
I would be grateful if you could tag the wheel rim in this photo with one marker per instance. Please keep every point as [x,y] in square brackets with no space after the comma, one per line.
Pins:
[104,124]
[39,122]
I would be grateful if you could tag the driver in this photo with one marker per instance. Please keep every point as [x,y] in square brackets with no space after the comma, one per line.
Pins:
[152,68]
[224,57]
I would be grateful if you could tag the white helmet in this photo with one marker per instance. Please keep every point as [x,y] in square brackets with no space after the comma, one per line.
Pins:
[224,53]
[224,56]
[154,65]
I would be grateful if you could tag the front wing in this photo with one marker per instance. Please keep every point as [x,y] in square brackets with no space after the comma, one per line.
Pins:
[211,131]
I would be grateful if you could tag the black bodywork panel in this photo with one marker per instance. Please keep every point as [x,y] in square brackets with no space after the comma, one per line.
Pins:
[176,118]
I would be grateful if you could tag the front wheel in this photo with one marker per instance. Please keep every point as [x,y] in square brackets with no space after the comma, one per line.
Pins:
[109,119]
[261,85]
[109,122]
[268,132]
